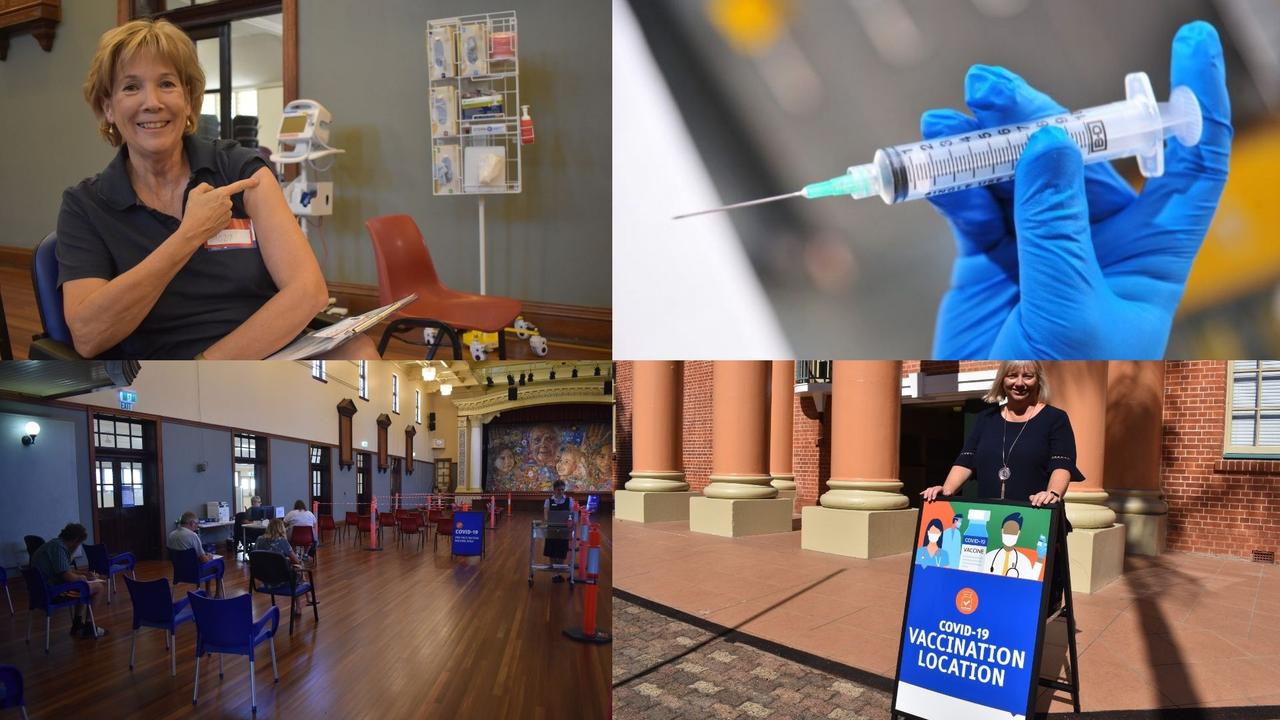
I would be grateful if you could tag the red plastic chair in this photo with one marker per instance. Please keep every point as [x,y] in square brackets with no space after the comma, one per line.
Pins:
[364,525]
[349,522]
[411,526]
[404,267]
[444,526]
[303,539]
[325,522]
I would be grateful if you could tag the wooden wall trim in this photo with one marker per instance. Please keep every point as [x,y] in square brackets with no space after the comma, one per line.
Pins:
[134,414]
[16,257]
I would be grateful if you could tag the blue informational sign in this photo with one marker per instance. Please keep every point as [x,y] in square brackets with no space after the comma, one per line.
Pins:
[593,502]
[468,533]
[976,600]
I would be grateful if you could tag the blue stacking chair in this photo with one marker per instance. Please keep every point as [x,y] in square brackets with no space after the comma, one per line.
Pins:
[41,597]
[11,681]
[4,583]
[108,565]
[269,573]
[154,607]
[187,568]
[227,627]
[55,342]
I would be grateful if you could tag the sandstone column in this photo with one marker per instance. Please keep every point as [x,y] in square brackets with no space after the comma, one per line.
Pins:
[781,424]
[1096,543]
[864,513]
[1135,417]
[739,499]
[656,491]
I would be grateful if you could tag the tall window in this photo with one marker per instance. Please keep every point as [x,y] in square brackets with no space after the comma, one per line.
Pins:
[250,470]
[1253,425]
[364,379]
[361,472]
[320,485]
[317,370]
[417,406]
[395,394]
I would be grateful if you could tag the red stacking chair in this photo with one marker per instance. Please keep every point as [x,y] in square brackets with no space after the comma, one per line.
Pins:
[325,522]
[349,522]
[411,525]
[444,526]
[364,524]
[303,539]
[405,267]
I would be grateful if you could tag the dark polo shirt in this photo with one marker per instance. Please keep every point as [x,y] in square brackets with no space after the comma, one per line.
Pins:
[104,231]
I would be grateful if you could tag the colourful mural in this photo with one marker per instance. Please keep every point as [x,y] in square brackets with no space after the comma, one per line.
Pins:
[528,457]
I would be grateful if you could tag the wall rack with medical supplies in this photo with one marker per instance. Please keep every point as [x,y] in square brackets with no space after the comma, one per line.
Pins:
[474,103]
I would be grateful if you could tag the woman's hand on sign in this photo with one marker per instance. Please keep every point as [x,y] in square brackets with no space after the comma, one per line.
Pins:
[1043,498]
[930,494]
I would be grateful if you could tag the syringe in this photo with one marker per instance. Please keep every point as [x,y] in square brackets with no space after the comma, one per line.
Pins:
[1134,127]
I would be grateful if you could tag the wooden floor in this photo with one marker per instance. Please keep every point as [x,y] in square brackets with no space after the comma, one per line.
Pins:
[23,320]
[403,633]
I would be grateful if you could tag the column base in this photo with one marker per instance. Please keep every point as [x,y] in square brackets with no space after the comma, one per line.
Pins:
[1097,557]
[738,518]
[1144,534]
[858,533]
[648,507]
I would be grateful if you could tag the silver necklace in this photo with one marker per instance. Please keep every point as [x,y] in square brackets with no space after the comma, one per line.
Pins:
[1005,473]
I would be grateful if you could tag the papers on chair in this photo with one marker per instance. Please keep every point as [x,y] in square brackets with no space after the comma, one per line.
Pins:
[328,338]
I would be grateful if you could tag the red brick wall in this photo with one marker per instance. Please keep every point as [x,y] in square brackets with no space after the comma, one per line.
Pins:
[810,449]
[1216,506]
[623,385]
[696,440]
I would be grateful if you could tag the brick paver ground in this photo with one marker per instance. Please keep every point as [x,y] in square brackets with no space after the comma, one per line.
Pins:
[665,669]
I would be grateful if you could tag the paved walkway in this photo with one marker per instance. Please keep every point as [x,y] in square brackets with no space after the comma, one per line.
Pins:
[1178,630]
[665,669]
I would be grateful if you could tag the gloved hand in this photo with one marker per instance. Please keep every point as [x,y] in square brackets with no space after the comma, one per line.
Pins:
[1067,261]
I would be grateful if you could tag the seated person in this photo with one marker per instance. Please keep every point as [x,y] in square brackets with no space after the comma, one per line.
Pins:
[53,560]
[182,247]
[186,537]
[302,517]
[256,511]
[274,540]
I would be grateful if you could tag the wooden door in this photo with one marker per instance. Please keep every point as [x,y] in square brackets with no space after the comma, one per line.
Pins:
[128,506]
[396,480]
[364,482]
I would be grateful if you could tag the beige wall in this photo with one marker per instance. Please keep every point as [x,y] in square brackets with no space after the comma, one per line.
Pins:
[281,398]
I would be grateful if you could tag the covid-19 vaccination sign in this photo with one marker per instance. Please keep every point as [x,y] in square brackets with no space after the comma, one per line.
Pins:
[468,533]
[976,600]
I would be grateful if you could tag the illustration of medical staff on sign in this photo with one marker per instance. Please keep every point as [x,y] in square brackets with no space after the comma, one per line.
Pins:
[1007,559]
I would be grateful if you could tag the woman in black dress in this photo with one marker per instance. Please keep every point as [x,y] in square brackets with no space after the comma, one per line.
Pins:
[1023,449]
[557,549]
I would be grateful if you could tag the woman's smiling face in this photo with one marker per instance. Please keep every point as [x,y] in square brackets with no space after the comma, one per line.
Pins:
[148,105]
[1021,383]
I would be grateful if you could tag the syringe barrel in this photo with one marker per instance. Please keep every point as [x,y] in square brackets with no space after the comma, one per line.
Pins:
[1126,128]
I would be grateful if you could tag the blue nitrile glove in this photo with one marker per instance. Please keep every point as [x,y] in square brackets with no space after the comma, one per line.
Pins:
[1067,261]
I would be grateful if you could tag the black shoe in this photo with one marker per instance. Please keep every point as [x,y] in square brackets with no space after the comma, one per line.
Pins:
[557,579]
[77,625]
[87,632]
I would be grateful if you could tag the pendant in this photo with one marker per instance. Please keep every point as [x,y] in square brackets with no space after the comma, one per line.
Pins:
[1004,473]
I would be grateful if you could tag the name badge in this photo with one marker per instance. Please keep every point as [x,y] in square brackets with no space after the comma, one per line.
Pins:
[238,235]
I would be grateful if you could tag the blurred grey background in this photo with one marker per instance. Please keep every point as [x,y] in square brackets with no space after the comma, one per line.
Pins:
[778,94]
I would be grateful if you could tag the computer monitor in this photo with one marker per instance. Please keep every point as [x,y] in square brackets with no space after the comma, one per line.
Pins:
[279,509]
[558,517]
[258,513]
